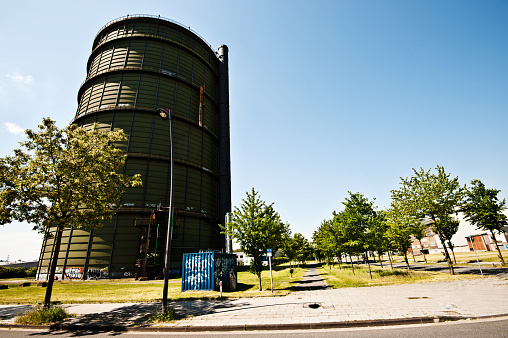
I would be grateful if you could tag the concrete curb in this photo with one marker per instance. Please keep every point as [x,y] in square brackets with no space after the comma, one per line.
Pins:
[267,327]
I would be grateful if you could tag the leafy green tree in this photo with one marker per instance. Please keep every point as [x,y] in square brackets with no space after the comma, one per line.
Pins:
[319,255]
[326,240]
[354,224]
[289,249]
[432,196]
[484,210]
[419,233]
[400,227]
[304,250]
[379,231]
[347,235]
[257,227]
[449,227]
[64,178]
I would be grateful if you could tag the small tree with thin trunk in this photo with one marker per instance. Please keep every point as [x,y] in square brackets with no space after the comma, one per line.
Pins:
[65,178]
[257,227]
[400,226]
[379,234]
[355,223]
[289,250]
[484,210]
[419,234]
[431,196]
[449,227]
[326,240]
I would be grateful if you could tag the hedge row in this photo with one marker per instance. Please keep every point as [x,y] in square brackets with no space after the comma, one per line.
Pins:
[16,272]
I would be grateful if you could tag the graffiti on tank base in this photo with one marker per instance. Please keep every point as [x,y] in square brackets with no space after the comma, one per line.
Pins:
[97,273]
[174,272]
[74,273]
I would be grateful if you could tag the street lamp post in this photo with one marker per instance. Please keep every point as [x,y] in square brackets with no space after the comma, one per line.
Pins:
[165,114]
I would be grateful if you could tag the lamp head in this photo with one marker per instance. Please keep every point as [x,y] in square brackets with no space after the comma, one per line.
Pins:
[165,114]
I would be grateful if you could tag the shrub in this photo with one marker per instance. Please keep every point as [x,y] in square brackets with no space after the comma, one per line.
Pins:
[11,272]
[41,315]
[31,272]
[162,317]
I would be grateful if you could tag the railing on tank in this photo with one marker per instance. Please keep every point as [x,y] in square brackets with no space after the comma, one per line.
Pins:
[153,17]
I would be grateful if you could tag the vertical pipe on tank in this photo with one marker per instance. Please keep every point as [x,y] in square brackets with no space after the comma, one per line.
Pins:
[229,241]
[224,141]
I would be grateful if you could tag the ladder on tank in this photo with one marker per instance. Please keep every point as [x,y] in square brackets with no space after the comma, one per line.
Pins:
[150,262]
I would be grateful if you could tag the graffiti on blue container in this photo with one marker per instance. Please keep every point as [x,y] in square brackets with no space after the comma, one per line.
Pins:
[204,271]
[199,267]
[199,262]
[196,280]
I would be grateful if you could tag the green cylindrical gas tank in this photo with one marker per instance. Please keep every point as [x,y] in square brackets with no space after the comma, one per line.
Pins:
[139,64]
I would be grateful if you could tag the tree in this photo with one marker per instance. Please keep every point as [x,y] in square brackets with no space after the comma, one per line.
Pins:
[379,232]
[449,227]
[355,223]
[482,208]
[65,178]
[304,250]
[432,196]
[400,227]
[347,235]
[419,233]
[319,253]
[257,227]
[326,241]
[289,250]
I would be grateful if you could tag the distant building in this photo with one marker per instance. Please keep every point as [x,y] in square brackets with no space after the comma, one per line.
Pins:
[482,242]
[462,243]
[242,258]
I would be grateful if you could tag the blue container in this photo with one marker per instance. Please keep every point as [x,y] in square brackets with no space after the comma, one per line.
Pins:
[204,271]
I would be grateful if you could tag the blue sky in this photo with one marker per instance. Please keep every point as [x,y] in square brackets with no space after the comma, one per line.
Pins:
[326,96]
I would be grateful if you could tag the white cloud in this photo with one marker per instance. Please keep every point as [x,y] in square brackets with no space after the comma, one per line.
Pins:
[13,128]
[26,79]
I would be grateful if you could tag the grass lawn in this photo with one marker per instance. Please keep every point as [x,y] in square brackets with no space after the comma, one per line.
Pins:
[130,290]
[344,278]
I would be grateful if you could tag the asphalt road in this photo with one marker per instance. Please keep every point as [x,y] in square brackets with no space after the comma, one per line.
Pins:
[495,327]
[472,270]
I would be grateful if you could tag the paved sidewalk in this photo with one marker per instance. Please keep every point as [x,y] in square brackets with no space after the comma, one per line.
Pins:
[311,280]
[466,299]
[316,306]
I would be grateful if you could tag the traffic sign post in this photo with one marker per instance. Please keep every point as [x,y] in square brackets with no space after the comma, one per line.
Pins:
[269,254]
[471,239]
